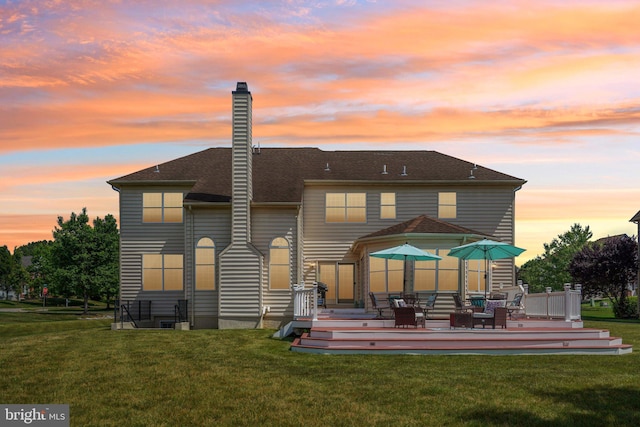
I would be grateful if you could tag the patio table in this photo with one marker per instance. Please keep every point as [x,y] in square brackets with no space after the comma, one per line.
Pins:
[460,320]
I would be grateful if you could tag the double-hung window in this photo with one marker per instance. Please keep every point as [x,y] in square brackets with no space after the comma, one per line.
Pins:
[447,205]
[162,207]
[346,207]
[387,205]
[162,272]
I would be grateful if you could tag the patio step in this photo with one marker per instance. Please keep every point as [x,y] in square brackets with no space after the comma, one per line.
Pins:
[459,341]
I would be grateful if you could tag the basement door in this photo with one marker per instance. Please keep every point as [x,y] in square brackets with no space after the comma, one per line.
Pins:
[340,278]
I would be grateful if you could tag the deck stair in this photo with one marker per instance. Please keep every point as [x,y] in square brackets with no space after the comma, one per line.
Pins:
[341,330]
[389,340]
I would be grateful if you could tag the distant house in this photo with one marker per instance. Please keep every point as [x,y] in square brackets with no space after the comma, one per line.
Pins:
[636,220]
[231,229]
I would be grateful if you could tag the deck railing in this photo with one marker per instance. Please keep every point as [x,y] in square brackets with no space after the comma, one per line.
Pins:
[562,304]
[305,301]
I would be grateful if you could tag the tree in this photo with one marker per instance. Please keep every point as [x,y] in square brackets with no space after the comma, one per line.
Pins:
[106,256]
[606,268]
[551,268]
[84,260]
[6,267]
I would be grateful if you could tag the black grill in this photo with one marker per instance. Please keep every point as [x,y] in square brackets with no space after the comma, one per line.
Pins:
[322,294]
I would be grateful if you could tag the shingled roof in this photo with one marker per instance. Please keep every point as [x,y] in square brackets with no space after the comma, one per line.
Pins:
[423,224]
[279,174]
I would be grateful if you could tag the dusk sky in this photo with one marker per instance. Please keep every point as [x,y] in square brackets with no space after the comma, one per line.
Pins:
[547,91]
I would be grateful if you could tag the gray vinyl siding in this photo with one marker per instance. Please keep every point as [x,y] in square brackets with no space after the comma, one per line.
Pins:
[487,209]
[240,282]
[240,264]
[242,167]
[138,238]
[269,223]
[215,224]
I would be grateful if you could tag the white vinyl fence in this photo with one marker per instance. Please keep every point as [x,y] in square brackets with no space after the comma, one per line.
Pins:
[563,304]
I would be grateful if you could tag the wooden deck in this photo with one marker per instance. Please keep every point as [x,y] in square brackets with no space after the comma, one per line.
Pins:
[353,332]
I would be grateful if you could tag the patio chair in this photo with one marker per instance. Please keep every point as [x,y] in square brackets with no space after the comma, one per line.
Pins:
[430,305]
[495,313]
[407,316]
[515,305]
[460,306]
[377,305]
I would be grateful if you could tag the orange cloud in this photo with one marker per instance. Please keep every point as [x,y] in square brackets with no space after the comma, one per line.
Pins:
[13,232]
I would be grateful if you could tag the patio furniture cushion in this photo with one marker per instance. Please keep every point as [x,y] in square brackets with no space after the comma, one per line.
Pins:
[492,304]
[498,295]
[399,303]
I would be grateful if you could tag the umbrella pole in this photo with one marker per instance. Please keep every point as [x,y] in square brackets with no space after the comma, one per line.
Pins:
[487,277]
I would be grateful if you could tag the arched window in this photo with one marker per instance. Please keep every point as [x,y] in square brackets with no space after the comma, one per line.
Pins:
[205,265]
[279,266]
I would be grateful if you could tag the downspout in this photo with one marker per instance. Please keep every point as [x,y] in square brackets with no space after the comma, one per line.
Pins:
[636,220]
[117,190]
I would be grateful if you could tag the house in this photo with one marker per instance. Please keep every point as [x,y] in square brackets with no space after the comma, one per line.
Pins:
[636,220]
[230,230]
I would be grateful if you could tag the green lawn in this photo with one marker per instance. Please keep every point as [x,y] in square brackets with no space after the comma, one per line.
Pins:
[236,378]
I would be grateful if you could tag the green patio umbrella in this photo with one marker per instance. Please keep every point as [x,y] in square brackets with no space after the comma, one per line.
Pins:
[405,253]
[486,249]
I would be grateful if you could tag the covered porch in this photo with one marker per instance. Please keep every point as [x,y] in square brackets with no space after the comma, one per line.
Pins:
[444,276]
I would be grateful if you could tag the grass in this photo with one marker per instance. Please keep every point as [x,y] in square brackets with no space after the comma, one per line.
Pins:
[243,377]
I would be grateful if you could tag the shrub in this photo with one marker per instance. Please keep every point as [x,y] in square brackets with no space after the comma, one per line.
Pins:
[626,308]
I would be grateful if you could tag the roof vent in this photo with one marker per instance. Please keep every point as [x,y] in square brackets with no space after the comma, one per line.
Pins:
[327,168]
[384,170]
[471,174]
[475,166]
[157,169]
[404,171]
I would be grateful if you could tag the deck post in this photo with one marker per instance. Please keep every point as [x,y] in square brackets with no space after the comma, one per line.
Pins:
[314,299]
[567,301]
[578,289]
